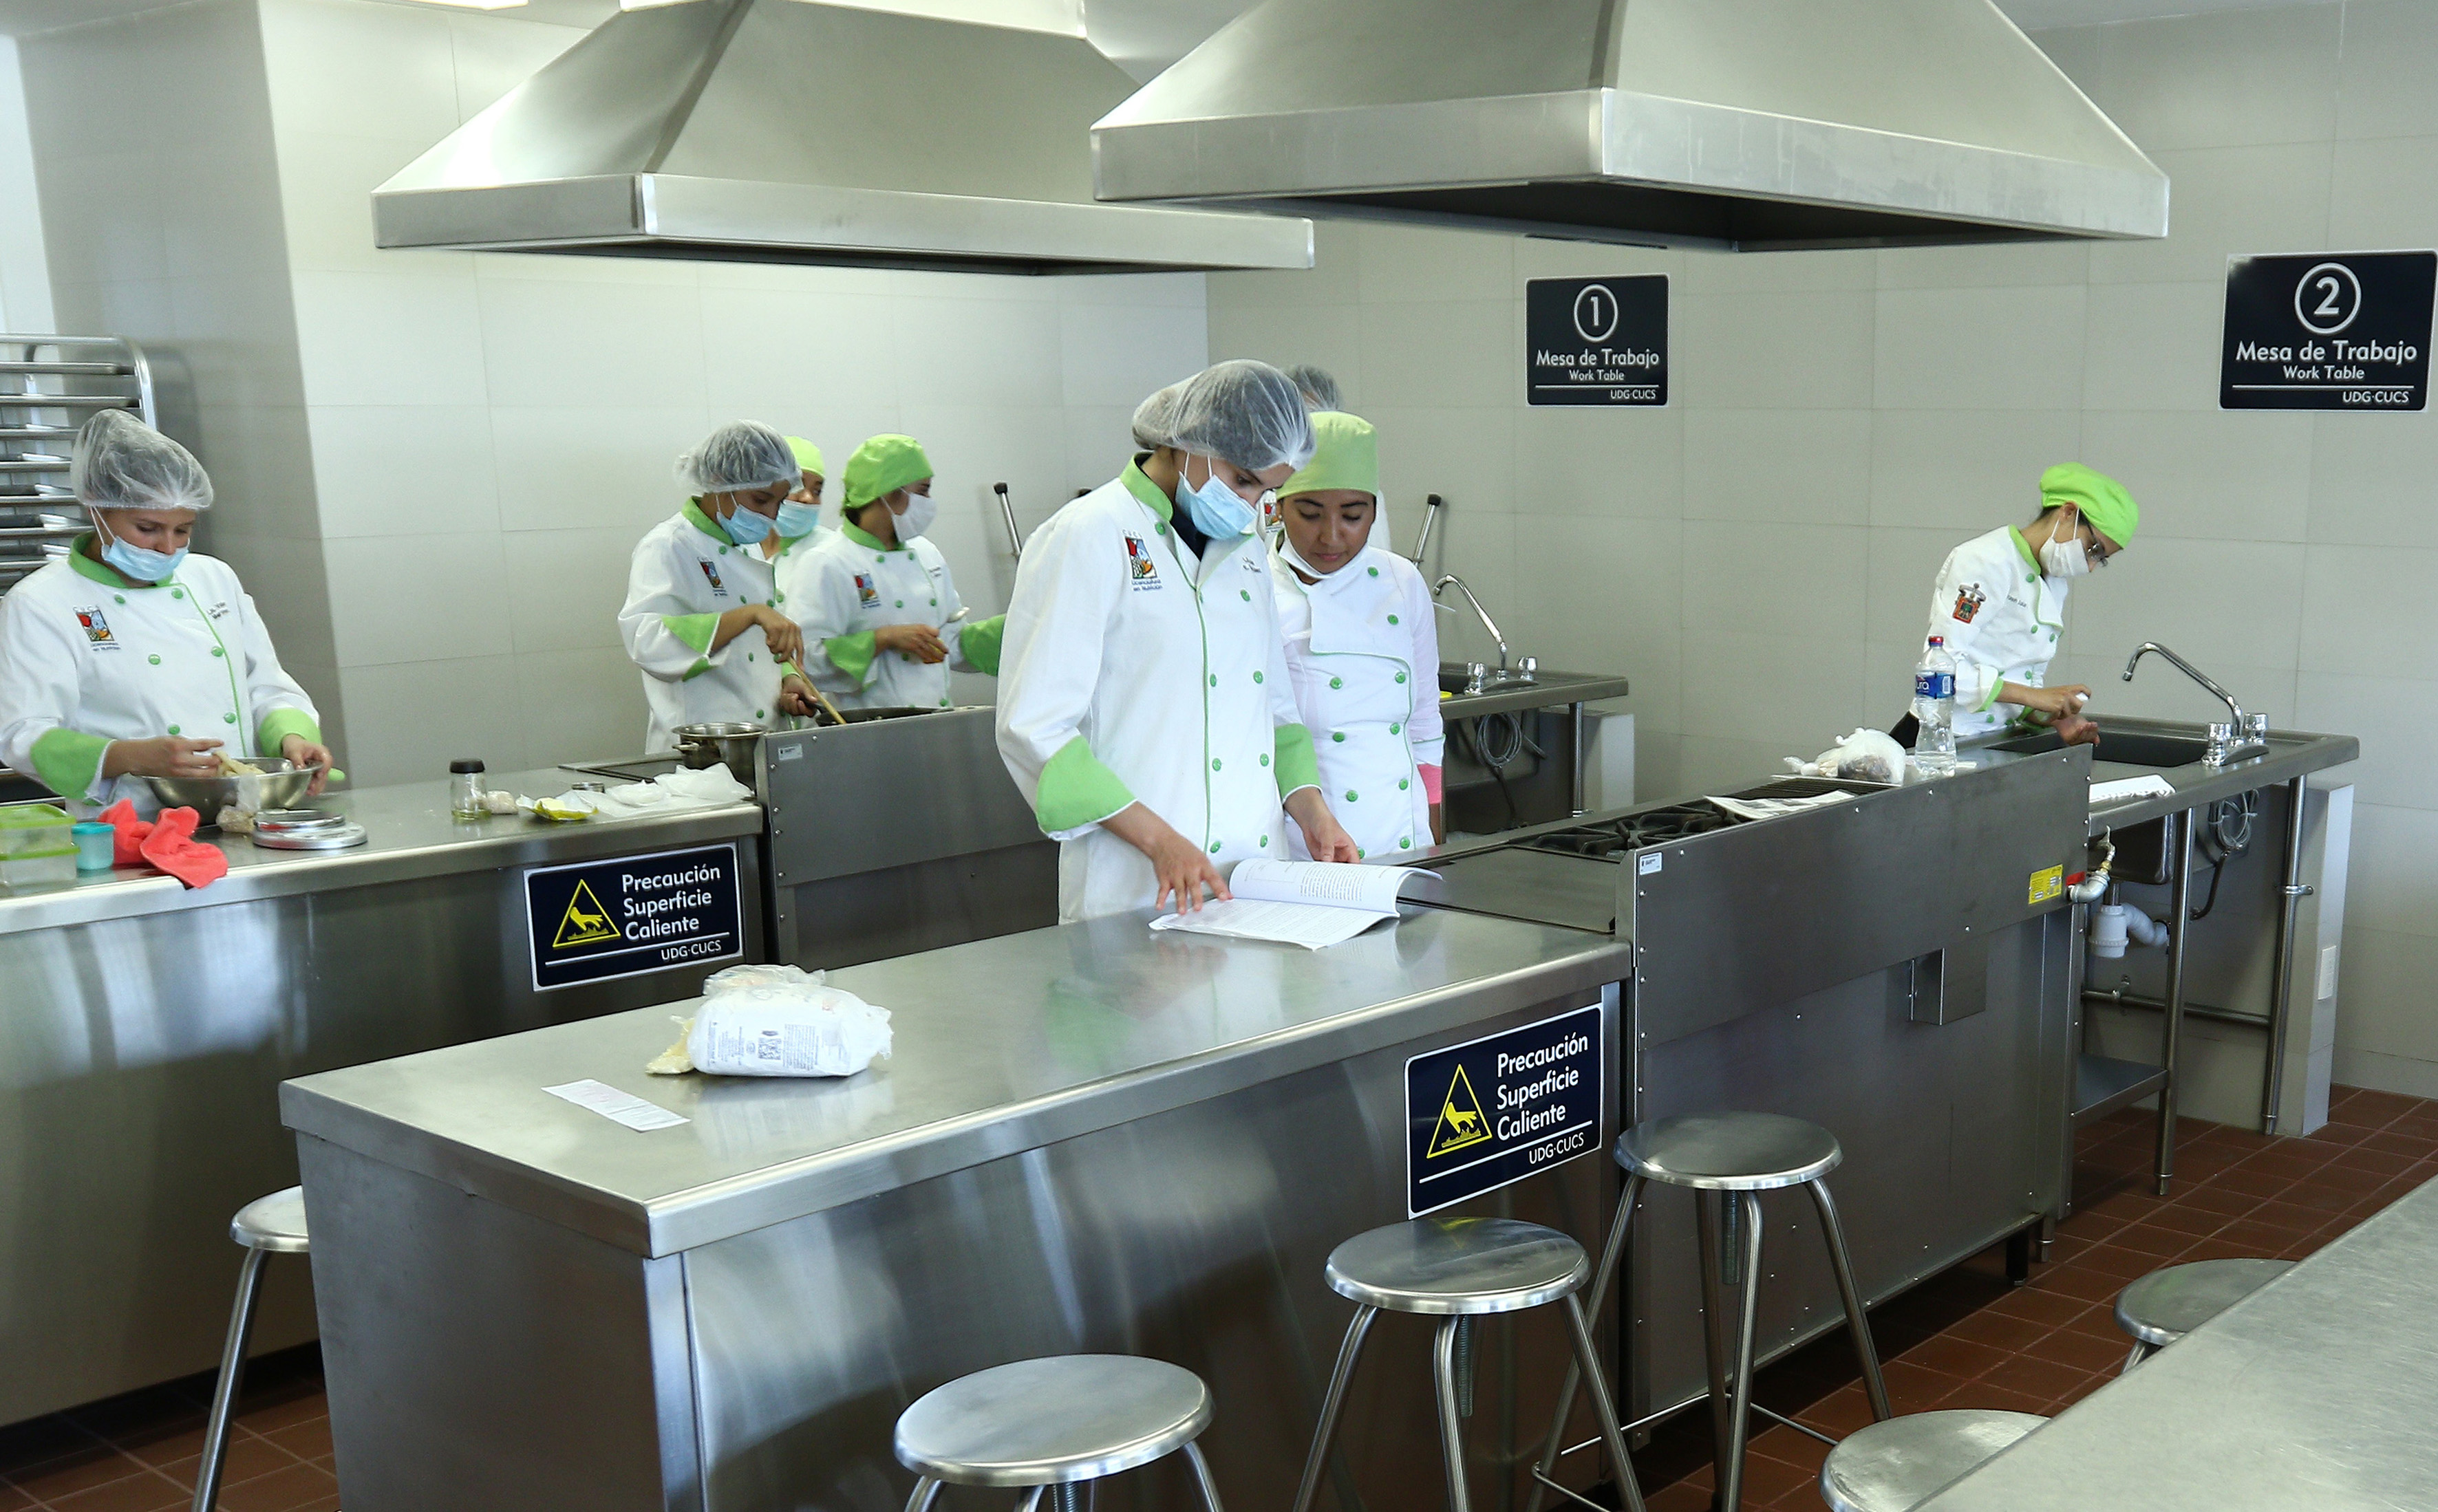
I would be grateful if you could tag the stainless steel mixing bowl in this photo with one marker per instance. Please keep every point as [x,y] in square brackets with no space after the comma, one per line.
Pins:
[728,743]
[282,785]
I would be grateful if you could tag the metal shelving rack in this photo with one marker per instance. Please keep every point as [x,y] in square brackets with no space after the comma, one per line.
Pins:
[50,386]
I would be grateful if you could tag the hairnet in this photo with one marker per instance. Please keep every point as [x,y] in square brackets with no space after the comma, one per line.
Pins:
[2102,500]
[882,465]
[739,455]
[1150,417]
[121,463]
[1249,413]
[1316,385]
[1346,454]
[808,456]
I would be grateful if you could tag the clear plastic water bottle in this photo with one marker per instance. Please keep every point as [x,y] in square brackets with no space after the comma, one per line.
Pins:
[1934,708]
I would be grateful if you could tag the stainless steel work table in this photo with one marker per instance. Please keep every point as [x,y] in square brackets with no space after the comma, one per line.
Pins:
[145,1028]
[2316,1392]
[1091,1136]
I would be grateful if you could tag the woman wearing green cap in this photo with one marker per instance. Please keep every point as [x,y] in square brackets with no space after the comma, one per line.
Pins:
[2000,602]
[1362,648]
[883,623]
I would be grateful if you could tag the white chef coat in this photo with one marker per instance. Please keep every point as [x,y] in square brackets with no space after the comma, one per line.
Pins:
[87,658]
[1137,670]
[2000,616]
[1364,655]
[686,573]
[846,585]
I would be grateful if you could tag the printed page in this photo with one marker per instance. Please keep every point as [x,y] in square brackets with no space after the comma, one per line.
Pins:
[1326,883]
[1313,927]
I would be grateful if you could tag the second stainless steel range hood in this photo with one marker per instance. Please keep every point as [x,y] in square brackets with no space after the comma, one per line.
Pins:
[1740,124]
[782,130]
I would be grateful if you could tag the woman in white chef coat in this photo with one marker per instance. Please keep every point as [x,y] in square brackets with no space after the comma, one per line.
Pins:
[702,619]
[132,657]
[2000,602]
[1145,708]
[877,603]
[1362,647]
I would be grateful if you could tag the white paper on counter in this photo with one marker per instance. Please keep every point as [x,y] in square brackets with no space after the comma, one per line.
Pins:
[616,1106]
[2125,789]
[1312,903]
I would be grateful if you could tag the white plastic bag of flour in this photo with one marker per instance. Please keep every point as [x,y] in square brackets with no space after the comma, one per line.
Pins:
[783,1021]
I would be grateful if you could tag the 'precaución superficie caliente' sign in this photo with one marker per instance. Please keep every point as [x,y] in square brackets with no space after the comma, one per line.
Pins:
[1500,1108]
[598,919]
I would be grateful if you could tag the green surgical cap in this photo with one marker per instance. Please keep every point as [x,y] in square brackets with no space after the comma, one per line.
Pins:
[2102,500]
[808,456]
[882,465]
[1346,455]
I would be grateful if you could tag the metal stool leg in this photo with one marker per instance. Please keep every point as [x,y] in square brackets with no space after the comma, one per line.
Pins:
[1855,1320]
[1610,1255]
[1202,1481]
[1325,1433]
[1731,1474]
[1588,1360]
[927,1491]
[2141,1352]
[1709,1224]
[216,1429]
[1451,1426]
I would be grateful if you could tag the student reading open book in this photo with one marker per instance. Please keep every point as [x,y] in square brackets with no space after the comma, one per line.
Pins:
[1312,903]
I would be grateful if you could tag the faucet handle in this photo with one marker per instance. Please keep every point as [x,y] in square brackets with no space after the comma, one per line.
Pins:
[2221,736]
[1527,669]
[2255,727]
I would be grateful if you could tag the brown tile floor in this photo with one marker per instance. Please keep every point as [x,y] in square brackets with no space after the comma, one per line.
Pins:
[1964,1338]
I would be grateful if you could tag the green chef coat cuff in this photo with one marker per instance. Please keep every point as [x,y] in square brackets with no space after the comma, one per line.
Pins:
[980,642]
[69,762]
[1076,790]
[694,631]
[1296,766]
[281,723]
[853,653]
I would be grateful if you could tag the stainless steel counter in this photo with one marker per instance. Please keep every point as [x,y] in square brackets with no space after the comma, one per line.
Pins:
[1546,690]
[145,1030]
[2316,1392]
[2292,753]
[1089,1137]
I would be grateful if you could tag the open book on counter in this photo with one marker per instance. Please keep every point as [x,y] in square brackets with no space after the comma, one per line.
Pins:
[1312,903]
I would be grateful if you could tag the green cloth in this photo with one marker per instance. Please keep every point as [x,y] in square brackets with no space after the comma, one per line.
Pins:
[853,653]
[281,723]
[882,465]
[808,456]
[1348,456]
[980,642]
[1077,790]
[68,761]
[2102,500]
[1296,766]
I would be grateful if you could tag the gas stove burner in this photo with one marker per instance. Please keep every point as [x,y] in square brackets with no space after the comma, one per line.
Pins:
[1611,840]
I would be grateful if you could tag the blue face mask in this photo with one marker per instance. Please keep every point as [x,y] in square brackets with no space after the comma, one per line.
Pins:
[797,519]
[745,527]
[138,564]
[1217,509]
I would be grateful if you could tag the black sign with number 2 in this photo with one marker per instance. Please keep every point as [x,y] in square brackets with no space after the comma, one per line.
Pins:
[2346,330]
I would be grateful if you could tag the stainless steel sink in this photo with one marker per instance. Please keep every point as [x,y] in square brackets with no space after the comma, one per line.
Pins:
[2120,747]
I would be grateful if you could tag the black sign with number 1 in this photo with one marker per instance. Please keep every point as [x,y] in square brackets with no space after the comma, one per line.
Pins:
[2346,330]
[1596,341]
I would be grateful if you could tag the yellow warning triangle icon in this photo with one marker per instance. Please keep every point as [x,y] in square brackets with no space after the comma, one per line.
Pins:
[1460,1122]
[586,921]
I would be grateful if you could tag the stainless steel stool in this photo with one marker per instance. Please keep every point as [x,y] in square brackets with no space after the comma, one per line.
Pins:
[2165,1305]
[1898,1465]
[265,1226]
[1453,1268]
[1049,1425]
[1721,1155]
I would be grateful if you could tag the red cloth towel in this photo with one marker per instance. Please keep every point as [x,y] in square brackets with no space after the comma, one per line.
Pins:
[167,843]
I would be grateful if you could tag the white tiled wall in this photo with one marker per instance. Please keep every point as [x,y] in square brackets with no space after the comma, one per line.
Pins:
[490,433]
[1756,558]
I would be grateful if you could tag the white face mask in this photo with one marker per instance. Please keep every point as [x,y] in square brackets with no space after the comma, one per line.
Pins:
[2064,555]
[919,513]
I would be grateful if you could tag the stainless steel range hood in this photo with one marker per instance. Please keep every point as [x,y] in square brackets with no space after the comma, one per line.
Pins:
[780,130]
[1741,124]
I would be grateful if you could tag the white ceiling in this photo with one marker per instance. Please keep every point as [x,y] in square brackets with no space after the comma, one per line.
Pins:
[24,18]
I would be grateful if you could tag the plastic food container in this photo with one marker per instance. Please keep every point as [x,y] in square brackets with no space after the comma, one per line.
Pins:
[37,846]
[96,846]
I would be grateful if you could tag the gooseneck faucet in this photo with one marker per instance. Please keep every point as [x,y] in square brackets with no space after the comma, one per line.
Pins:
[1486,623]
[2241,736]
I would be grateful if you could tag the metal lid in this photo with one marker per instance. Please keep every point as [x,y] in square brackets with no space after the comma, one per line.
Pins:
[339,838]
[465,765]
